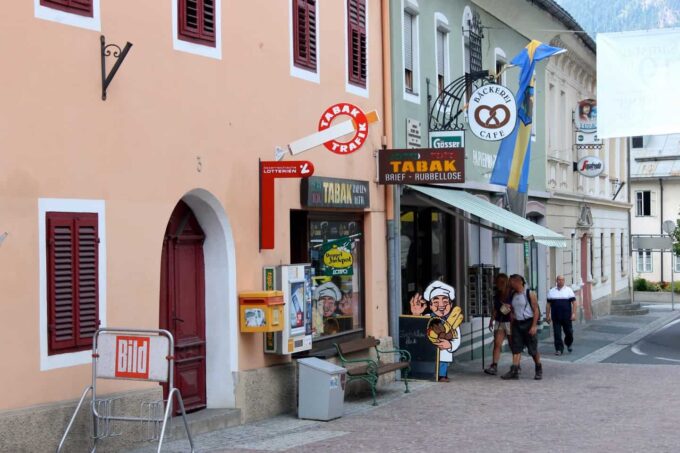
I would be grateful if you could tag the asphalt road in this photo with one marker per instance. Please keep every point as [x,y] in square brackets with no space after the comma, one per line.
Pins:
[661,347]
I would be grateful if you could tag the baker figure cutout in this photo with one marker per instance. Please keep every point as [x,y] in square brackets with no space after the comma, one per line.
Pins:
[443,330]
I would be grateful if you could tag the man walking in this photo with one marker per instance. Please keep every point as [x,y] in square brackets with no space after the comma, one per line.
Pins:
[561,310]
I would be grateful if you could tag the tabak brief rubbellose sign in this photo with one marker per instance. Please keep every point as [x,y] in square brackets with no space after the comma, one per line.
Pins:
[421,166]
[492,112]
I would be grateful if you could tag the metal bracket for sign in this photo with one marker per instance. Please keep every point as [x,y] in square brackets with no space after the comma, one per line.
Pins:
[118,54]
[154,415]
[446,113]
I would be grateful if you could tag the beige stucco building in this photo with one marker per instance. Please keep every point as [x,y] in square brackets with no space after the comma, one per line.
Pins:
[171,158]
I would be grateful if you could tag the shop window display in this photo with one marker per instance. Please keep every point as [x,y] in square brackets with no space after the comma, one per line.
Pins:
[335,254]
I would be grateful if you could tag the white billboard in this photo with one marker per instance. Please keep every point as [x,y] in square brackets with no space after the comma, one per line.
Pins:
[637,83]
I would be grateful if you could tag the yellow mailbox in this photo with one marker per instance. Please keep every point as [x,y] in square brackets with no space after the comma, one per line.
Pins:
[261,311]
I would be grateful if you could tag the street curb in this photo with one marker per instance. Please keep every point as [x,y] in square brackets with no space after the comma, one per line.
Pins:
[622,343]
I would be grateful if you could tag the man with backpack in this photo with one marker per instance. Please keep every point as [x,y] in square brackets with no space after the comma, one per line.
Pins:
[525,316]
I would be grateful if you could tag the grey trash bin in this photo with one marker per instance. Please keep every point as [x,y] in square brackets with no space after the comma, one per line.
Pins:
[321,389]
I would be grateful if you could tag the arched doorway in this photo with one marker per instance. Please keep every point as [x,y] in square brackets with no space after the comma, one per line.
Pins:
[182,303]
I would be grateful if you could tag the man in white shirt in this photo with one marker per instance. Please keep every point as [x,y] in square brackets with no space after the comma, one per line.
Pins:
[561,311]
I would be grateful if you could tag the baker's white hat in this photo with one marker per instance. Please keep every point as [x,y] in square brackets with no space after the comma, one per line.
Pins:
[437,288]
[328,289]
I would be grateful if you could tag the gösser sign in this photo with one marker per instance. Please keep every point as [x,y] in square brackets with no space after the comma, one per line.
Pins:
[492,112]
[590,166]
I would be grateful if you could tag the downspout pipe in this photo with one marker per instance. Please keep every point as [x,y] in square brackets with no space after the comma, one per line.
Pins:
[391,191]
[661,224]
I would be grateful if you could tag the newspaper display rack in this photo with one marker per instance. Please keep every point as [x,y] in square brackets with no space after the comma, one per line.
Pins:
[131,354]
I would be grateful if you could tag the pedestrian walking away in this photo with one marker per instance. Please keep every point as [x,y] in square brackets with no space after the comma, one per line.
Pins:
[561,311]
[499,323]
[525,314]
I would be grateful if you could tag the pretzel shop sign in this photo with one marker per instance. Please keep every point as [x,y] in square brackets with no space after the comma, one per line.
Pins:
[492,112]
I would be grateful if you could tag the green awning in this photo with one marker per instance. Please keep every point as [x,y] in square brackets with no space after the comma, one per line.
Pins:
[528,230]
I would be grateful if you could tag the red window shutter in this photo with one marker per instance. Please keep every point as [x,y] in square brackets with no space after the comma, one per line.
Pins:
[87,277]
[197,21]
[72,280]
[80,7]
[304,33]
[356,33]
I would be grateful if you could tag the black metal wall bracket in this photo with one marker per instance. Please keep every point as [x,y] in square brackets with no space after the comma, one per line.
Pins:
[118,54]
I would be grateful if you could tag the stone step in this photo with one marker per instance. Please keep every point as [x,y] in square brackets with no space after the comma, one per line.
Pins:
[204,421]
[616,302]
[629,312]
[626,307]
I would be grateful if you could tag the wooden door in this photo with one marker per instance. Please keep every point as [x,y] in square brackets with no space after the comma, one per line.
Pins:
[182,303]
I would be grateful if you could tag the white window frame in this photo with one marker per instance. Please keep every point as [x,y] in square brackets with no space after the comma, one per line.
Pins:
[66,18]
[642,205]
[350,87]
[499,55]
[411,7]
[67,359]
[467,16]
[306,74]
[194,48]
[441,25]
[643,262]
[676,263]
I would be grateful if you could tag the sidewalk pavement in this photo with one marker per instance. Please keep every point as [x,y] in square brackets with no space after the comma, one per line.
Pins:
[579,405]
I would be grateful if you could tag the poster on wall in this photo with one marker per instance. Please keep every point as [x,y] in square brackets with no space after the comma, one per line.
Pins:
[336,257]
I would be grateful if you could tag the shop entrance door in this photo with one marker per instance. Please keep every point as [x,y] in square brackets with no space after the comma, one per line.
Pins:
[182,303]
[585,289]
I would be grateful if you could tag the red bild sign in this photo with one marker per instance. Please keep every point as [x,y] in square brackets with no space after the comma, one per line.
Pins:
[269,171]
[132,357]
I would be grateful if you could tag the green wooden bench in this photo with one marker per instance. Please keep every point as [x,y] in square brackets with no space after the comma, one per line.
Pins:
[366,367]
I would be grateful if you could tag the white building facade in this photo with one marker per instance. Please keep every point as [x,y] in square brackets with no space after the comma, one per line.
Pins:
[592,211]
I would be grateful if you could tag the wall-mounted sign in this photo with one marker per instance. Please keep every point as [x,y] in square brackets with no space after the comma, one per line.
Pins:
[336,257]
[421,166]
[492,112]
[413,135]
[585,119]
[359,122]
[318,192]
[447,139]
[590,166]
[269,171]
[328,134]
[587,138]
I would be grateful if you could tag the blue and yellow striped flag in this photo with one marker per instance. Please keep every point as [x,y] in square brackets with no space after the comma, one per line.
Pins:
[514,154]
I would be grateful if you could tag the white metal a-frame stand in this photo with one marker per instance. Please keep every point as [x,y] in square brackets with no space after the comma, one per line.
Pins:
[146,355]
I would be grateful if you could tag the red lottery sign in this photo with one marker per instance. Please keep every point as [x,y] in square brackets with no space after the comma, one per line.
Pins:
[360,129]
[269,171]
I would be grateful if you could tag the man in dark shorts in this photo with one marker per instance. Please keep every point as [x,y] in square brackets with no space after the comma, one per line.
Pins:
[525,315]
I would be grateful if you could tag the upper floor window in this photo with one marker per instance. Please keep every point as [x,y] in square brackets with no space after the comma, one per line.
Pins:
[643,203]
[197,21]
[676,263]
[356,33]
[644,261]
[638,142]
[499,66]
[305,34]
[72,280]
[77,13]
[472,46]
[80,7]
[411,56]
[442,51]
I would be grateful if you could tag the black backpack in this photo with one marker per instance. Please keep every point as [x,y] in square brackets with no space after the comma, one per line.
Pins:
[540,315]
